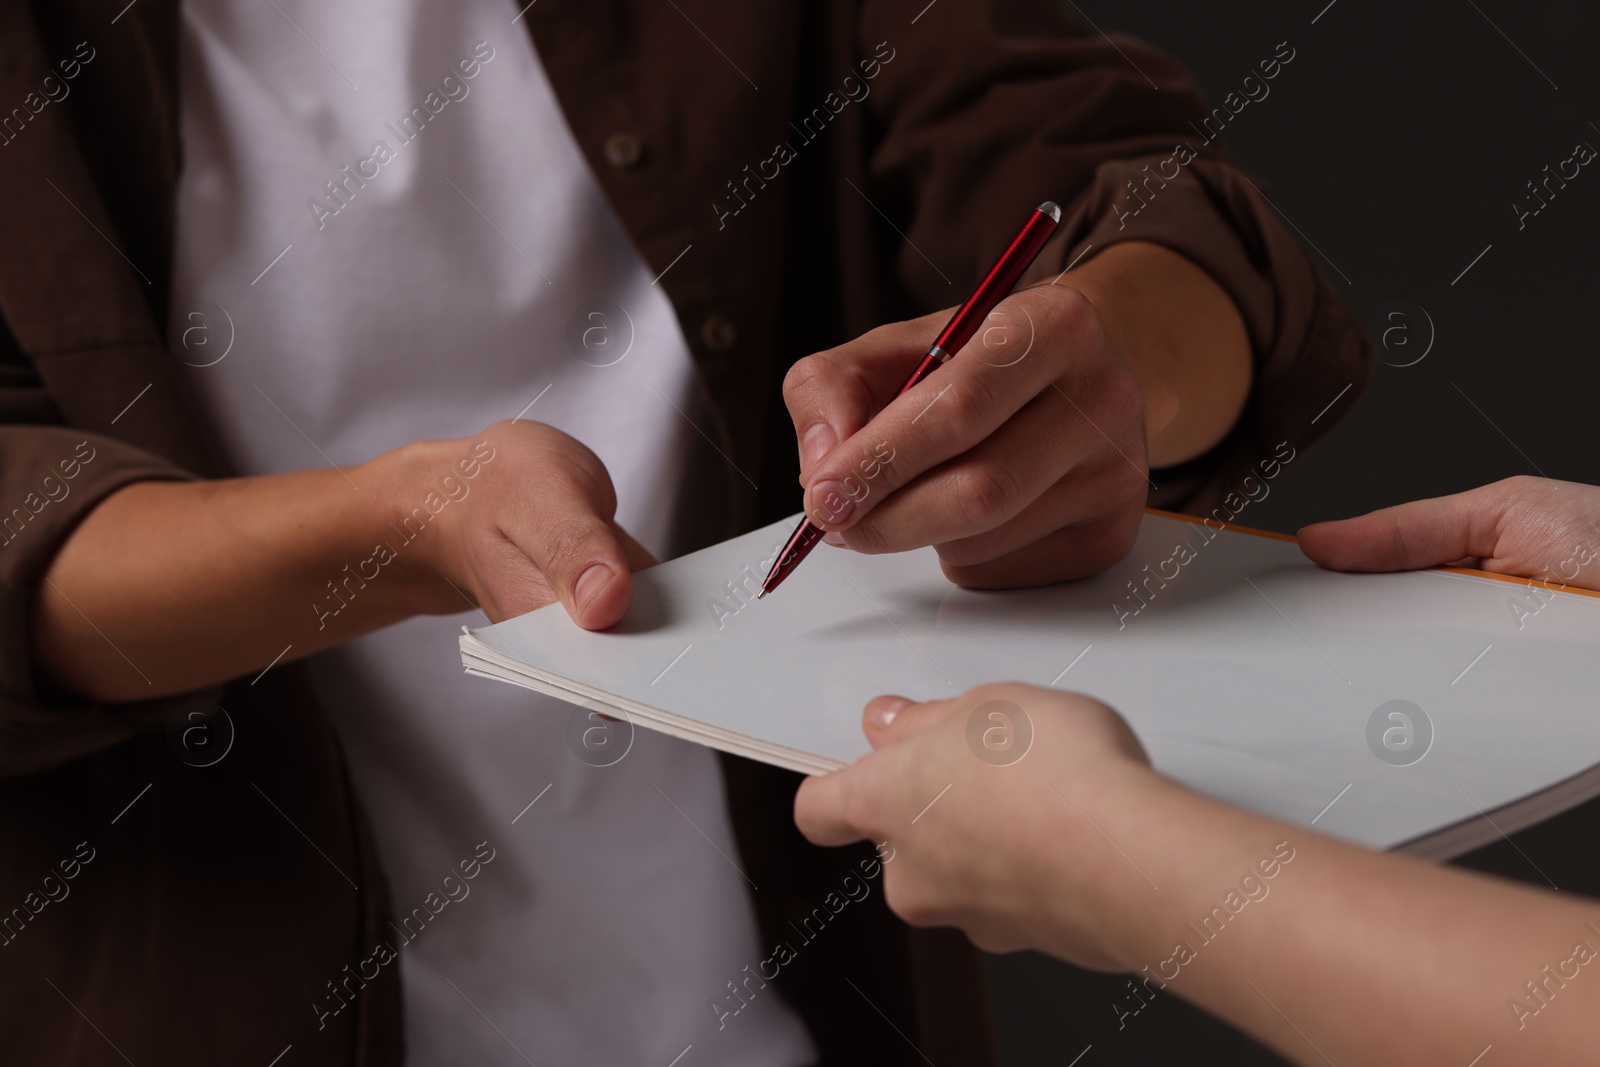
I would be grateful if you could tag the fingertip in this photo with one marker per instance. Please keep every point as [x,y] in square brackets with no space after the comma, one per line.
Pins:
[829,505]
[1328,543]
[1311,537]
[889,720]
[879,715]
[601,595]
[819,810]
[1402,537]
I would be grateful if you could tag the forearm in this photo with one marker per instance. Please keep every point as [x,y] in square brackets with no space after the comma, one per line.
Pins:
[167,587]
[1344,954]
[1182,337]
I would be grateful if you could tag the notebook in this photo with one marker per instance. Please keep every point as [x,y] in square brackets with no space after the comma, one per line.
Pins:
[1430,711]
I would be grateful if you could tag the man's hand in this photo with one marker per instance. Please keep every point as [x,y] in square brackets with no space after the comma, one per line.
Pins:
[1526,526]
[1002,854]
[1025,459]
[166,587]
[537,526]
[1022,459]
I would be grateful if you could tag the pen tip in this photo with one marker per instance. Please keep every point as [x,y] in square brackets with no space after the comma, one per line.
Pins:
[762,593]
[1051,208]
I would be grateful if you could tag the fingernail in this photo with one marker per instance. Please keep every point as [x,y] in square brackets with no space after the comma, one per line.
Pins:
[590,582]
[830,506]
[834,538]
[815,443]
[884,710]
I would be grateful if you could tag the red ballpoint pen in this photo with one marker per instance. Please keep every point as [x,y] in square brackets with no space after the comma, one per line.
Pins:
[995,287]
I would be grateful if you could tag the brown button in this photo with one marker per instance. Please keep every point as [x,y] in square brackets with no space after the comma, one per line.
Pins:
[719,333]
[623,150]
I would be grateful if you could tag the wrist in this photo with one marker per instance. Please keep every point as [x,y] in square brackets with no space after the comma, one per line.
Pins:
[1104,282]
[1213,863]
[1107,889]
[425,494]
[408,545]
[1181,336]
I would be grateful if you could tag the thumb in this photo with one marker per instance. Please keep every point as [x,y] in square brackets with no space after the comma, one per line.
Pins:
[1422,533]
[888,720]
[588,569]
[580,553]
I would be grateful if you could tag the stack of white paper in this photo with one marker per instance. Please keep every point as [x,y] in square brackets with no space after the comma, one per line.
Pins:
[1249,673]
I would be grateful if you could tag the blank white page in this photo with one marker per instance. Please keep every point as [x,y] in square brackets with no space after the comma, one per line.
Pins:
[1247,672]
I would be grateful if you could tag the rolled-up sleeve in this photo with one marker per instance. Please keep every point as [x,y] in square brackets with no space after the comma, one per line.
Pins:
[1010,103]
[51,477]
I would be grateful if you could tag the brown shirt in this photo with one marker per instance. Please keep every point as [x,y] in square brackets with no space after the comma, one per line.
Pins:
[160,911]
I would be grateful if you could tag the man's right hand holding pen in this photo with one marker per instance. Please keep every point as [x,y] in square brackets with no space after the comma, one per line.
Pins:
[1026,459]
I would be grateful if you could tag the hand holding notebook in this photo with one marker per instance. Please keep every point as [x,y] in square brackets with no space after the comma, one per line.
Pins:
[1246,671]
[1082,851]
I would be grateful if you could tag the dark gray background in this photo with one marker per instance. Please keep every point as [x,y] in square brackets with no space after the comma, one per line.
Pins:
[1396,142]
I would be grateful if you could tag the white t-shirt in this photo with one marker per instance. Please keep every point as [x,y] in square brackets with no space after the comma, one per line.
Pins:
[386,232]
